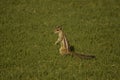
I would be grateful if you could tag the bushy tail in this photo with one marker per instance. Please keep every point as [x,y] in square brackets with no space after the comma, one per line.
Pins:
[83,56]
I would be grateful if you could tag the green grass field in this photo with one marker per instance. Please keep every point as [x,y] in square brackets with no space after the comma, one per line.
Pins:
[27,50]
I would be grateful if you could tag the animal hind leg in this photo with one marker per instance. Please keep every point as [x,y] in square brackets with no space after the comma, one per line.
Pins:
[63,51]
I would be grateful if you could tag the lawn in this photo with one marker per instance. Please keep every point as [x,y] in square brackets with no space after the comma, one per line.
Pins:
[27,50]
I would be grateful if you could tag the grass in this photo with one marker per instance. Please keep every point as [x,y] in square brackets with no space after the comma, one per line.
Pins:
[27,50]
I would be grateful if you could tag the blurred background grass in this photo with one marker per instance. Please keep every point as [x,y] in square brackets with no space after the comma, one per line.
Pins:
[27,50]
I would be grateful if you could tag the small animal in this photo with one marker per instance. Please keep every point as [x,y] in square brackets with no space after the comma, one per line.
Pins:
[65,48]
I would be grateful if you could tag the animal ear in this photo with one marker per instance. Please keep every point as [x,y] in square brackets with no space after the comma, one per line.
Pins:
[59,27]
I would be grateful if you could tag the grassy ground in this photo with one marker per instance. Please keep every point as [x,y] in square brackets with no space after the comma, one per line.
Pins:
[27,50]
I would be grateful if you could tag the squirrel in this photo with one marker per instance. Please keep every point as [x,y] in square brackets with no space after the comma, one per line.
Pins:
[65,48]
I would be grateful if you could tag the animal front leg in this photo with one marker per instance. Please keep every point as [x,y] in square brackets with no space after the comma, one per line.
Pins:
[59,39]
[56,42]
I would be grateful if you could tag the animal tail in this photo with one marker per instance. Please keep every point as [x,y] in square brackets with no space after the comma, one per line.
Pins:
[83,56]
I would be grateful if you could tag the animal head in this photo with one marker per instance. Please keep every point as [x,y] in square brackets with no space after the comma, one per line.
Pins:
[58,29]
